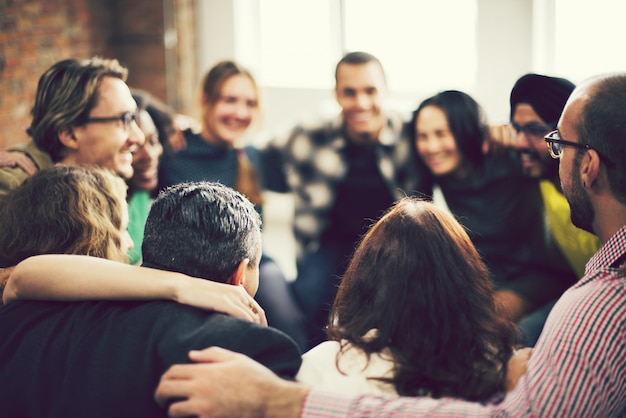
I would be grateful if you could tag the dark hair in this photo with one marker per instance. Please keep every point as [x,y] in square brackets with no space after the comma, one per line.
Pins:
[66,93]
[417,278]
[201,229]
[359,58]
[160,113]
[603,126]
[546,95]
[465,119]
[63,210]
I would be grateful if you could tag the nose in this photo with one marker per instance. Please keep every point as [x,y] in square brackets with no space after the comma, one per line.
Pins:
[363,101]
[427,145]
[243,111]
[135,135]
[155,151]
[521,141]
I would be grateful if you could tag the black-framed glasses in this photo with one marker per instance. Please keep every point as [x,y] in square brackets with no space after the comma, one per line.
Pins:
[534,131]
[127,119]
[555,146]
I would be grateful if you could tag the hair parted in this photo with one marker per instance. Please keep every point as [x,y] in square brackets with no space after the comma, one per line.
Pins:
[66,93]
[63,210]
[417,278]
[202,229]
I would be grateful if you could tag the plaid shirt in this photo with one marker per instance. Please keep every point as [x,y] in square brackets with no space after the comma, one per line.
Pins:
[577,369]
[310,162]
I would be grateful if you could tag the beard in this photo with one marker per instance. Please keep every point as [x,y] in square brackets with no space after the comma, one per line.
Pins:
[581,211]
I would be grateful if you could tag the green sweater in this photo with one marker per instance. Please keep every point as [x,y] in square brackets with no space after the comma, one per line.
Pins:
[138,208]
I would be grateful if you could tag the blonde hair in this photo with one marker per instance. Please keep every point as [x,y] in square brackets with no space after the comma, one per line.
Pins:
[64,210]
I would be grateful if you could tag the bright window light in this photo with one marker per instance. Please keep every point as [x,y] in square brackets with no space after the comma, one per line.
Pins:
[295,43]
[421,44]
[589,38]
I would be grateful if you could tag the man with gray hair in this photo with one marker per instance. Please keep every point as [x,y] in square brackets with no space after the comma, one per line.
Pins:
[104,358]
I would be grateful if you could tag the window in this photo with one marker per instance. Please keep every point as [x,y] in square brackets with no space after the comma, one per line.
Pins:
[420,43]
[589,38]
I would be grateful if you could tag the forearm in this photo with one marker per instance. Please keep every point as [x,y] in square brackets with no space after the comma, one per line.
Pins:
[76,277]
[73,277]
[286,402]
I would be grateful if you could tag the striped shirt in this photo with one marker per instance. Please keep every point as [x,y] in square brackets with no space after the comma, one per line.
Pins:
[577,368]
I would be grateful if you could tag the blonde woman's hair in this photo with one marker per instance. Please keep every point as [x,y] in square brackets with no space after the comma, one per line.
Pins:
[64,210]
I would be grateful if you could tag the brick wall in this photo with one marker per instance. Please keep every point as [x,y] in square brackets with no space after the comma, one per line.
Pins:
[34,34]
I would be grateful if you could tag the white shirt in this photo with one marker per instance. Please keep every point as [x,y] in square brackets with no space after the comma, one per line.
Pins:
[319,368]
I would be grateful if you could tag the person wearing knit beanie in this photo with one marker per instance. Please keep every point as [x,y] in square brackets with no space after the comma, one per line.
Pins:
[536,105]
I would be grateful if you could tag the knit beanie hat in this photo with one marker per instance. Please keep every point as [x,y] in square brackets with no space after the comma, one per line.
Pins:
[546,95]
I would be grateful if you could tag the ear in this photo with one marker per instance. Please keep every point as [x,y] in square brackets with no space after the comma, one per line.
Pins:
[239,276]
[590,168]
[68,139]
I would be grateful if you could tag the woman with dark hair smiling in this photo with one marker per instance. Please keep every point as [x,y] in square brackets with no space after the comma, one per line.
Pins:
[415,314]
[488,193]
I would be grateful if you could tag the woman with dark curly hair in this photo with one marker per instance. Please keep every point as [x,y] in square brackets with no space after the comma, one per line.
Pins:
[415,314]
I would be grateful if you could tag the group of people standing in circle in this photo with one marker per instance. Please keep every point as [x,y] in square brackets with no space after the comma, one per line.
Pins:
[415,297]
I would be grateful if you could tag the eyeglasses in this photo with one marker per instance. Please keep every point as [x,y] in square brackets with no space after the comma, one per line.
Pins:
[555,146]
[534,131]
[127,119]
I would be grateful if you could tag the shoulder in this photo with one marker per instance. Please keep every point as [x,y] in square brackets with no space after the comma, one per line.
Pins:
[196,329]
[40,157]
[10,178]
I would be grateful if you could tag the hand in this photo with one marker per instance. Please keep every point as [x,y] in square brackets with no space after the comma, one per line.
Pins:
[18,159]
[516,368]
[512,304]
[221,297]
[227,384]
[501,138]
[5,273]
[183,123]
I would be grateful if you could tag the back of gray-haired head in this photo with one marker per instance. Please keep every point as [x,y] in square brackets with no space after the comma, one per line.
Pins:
[201,229]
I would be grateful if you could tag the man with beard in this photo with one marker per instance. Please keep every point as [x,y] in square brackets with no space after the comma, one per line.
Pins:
[536,104]
[576,368]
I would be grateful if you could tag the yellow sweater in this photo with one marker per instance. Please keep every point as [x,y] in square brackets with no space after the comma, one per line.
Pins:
[576,245]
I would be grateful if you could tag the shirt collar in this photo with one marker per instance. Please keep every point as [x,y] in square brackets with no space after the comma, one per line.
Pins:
[610,253]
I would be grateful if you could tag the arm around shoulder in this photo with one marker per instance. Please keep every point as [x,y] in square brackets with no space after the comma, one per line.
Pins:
[77,277]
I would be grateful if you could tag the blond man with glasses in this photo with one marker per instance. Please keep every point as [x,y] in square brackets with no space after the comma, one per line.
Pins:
[84,113]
